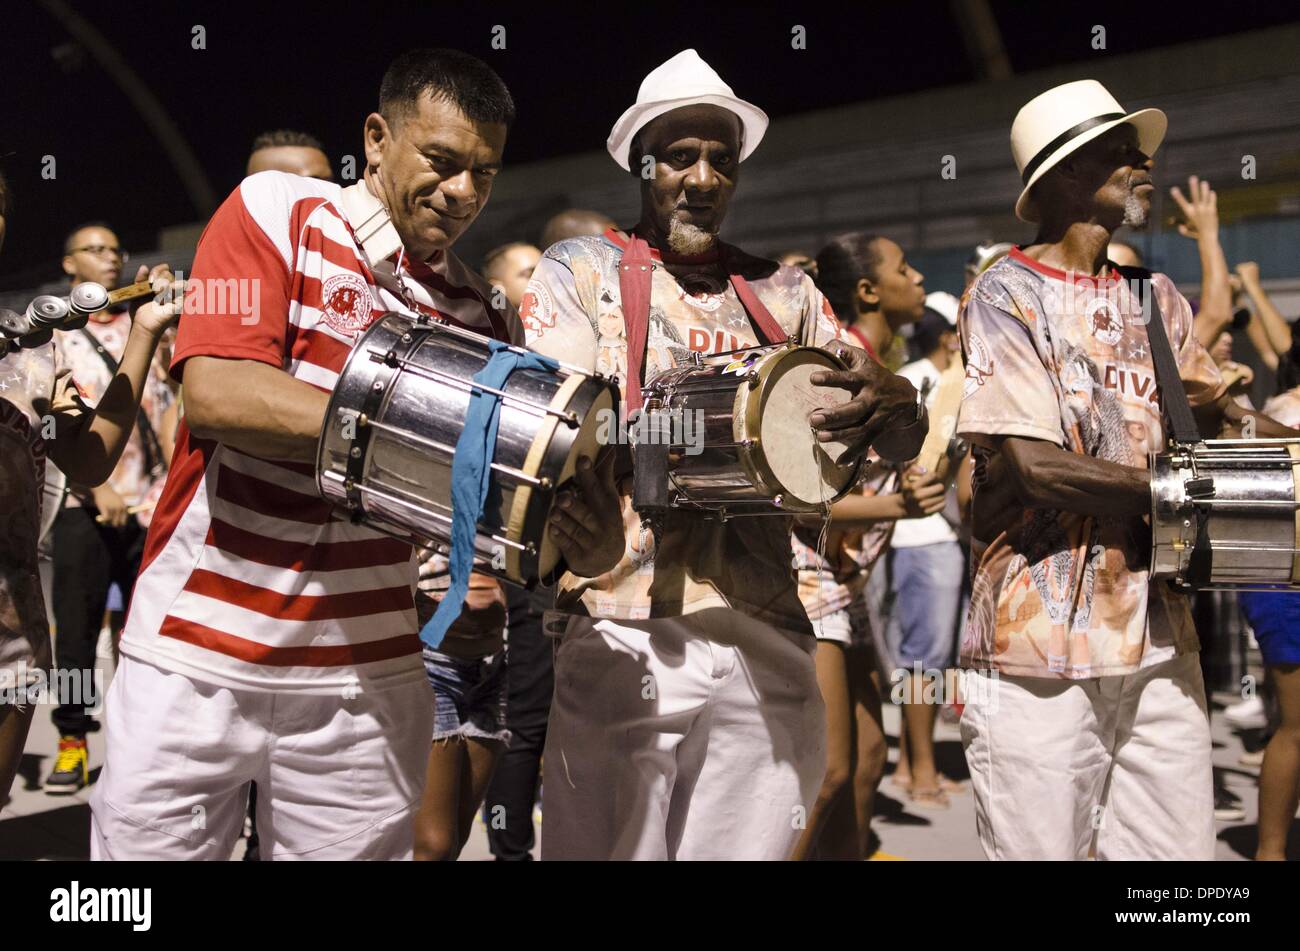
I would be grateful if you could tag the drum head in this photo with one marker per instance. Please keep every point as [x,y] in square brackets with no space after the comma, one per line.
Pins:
[804,468]
[585,443]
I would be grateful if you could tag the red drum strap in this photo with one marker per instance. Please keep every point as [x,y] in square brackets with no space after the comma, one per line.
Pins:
[634,274]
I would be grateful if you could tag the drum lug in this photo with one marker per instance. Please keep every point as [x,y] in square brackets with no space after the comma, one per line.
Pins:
[355,452]
[752,378]
[530,549]
[544,483]
[779,501]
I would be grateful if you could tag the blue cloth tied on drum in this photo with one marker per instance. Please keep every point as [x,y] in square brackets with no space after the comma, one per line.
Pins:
[471,475]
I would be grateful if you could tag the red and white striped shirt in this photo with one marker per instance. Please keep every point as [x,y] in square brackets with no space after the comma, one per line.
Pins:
[249,579]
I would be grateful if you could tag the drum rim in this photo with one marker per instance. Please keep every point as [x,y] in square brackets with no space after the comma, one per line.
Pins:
[754,399]
[552,455]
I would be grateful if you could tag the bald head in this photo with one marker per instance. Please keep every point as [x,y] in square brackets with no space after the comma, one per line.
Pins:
[1125,255]
[510,267]
[575,223]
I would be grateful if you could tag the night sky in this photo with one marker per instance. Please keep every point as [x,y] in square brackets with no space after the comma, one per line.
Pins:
[571,68]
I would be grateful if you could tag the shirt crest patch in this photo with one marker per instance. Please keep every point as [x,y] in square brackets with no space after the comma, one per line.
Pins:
[345,304]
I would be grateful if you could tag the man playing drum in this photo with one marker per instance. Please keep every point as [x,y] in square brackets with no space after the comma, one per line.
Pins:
[1085,725]
[271,640]
[686,721]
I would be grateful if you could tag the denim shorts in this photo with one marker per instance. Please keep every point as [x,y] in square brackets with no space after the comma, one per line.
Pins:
[926,582]
[469,695]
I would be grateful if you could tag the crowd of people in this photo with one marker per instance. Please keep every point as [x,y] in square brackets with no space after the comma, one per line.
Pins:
[701,688]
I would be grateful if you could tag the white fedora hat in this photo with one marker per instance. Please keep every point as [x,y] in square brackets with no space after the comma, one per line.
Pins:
[1051,126]
[685,80]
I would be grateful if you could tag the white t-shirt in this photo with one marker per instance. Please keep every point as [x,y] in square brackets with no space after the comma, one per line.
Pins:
[933,529]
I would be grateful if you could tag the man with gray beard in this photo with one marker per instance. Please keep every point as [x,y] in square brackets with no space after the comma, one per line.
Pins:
[1085,727]
[687,721]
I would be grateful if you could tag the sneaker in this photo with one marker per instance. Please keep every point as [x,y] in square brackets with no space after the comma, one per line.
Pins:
[1227,807]
[71,768]
[1247,715]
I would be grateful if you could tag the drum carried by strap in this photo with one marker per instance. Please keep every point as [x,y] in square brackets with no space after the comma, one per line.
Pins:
[394,421]
[731,436]
[1225,513]
[728,434]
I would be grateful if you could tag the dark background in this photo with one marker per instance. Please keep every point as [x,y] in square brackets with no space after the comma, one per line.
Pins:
[572,68]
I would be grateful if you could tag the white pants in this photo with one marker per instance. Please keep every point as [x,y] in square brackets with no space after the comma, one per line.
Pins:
[696,737]
[1119,763]
[337,778]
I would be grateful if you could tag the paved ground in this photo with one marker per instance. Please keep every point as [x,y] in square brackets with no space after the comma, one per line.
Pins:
[34,825]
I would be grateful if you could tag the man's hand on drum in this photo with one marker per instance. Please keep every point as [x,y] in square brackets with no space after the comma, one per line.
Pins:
[586,522]
[881,412]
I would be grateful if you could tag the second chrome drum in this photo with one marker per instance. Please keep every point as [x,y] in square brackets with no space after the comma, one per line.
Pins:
[391,428]
[1225,514]
[752,450]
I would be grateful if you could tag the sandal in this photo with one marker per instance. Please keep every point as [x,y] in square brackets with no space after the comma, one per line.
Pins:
[929,798]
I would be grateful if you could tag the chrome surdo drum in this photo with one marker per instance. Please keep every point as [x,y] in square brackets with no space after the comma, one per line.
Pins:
[391,428]
[732,436]
[1224,514]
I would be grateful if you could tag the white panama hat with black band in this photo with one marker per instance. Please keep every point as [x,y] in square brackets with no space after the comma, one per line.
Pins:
[1064,119]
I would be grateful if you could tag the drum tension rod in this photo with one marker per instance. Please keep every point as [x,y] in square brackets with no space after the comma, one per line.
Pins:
[569,418]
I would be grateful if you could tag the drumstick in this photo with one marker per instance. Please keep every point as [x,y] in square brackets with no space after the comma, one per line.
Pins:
[946,406]
[130,510]
[131,292]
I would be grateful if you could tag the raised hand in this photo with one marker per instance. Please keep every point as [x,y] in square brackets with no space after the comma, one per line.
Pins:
[1200,208]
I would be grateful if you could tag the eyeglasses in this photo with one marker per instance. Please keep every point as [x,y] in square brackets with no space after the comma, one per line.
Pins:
[100,250]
